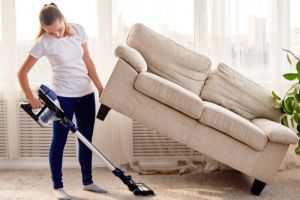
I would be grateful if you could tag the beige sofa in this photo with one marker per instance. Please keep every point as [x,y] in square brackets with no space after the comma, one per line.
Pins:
[220,113]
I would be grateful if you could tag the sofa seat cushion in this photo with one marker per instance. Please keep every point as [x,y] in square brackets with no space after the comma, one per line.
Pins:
[276,132]
[170,60]
[239,94]
[233,125]
[170,94]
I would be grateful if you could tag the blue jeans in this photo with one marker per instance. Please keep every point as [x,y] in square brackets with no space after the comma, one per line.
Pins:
[84,109]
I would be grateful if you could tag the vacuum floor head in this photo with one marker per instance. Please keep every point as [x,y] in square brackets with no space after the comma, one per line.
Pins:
[142,190]
[138,189]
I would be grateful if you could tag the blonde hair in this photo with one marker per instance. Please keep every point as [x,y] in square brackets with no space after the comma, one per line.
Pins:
[48,14]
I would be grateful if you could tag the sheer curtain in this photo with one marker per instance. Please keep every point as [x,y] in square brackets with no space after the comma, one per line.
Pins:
[1,50]
[239,35]
[249,36]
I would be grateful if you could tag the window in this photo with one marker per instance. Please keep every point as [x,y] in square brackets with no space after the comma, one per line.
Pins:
[239,34]
[172,18]
[295,27]
[81,12]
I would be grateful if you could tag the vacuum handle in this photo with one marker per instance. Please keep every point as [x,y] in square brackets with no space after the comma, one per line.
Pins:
[28,109]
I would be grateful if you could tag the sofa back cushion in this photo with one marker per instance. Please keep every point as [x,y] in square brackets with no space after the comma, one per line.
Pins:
[237,93]
[170,60]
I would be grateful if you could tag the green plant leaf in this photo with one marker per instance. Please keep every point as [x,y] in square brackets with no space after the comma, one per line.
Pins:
[288,105]
[297,150]
[298,66]
[297,97]
[275,96]
[292,122]
[291,93]
[288,58]
[298,128]
[296,118]
[294,104]
[277,106]
[297,107]
[284,121]
[283,110]
[298,134]
[290,76]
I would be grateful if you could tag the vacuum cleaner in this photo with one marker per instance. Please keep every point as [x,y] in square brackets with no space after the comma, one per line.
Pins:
[51,111]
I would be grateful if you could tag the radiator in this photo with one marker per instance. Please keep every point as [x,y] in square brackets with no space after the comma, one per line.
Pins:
[3,128]
[34,141]
[152,150]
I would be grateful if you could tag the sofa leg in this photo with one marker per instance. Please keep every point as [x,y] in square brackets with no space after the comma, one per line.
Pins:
[103,111]
[257,187]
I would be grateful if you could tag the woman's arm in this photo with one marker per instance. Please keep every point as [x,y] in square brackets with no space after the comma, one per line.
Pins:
[23,80]
[91,68]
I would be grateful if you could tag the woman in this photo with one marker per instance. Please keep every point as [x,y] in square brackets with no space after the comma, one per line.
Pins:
[65,46]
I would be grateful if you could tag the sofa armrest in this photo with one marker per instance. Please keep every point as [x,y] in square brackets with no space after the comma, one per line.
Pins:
[132,57]
[114,95]
[276,132]
[170,94]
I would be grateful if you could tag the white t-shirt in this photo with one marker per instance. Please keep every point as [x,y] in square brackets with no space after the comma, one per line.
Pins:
[69,72]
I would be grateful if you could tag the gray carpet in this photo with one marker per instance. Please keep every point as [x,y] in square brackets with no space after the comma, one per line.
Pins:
[227,185]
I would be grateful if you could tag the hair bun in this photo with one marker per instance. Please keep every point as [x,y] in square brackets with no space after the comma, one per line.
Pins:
[51,4]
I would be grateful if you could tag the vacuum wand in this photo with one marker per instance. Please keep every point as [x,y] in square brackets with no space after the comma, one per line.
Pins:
[52,111]
[137,188]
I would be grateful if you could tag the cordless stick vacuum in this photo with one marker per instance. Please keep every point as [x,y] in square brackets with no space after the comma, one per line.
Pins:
[51,111]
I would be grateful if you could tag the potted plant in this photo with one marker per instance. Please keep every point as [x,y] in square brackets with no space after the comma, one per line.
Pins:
[289,105]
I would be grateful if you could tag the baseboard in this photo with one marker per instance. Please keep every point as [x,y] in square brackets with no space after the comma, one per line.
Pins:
[39,164]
